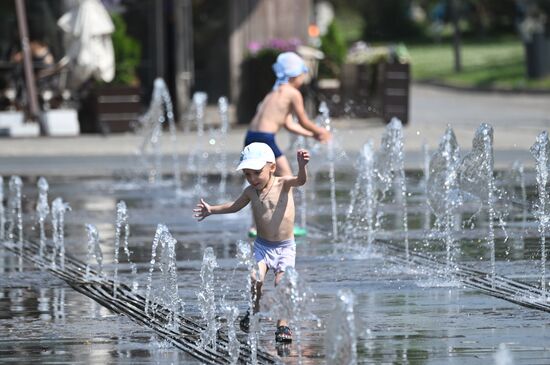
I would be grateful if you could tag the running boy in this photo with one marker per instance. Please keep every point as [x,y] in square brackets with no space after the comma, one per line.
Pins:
[273,209]
[278,106]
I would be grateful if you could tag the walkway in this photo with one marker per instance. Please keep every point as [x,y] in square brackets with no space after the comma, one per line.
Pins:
[516,118]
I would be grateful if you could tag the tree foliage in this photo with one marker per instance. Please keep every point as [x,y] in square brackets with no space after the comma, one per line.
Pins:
[127,53]
[393,20]
[334,47]
[388,20]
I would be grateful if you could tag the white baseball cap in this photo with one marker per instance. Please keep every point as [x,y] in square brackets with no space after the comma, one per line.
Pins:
[255,156]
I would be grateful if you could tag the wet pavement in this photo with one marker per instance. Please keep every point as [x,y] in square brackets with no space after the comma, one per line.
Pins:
[402,314]
[405,315]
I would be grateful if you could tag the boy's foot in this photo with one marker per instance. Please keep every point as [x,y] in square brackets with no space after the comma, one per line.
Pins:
[244,324]
[283,349]
[283,334]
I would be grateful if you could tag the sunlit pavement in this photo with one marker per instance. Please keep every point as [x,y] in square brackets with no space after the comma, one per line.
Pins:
[517,120]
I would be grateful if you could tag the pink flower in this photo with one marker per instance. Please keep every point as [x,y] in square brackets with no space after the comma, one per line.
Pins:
[254,47]
[277,44]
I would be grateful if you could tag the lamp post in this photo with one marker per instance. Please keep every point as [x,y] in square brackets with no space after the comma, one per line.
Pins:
[34,112]
[455,18]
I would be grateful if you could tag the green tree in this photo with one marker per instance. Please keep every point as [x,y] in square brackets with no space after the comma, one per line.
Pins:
[127,53]
[334,47]
[388,20]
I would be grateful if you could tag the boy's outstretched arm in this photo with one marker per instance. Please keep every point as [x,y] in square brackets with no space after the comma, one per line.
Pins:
[293,127]
[319,133]
[203,209]
[302,156]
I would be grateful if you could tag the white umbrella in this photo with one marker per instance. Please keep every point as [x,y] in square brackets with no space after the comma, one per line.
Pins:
[88,29]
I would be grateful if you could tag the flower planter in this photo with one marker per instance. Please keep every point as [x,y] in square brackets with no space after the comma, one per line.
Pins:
[395,83]
[110,109]
[257,79]
[379,90]
[537,53]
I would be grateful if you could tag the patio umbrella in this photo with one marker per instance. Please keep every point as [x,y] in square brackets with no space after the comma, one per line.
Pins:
[88,29]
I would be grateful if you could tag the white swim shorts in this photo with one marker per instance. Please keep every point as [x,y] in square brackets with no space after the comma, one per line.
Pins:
[276,255]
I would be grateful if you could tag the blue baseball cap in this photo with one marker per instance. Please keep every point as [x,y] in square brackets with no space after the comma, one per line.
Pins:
[288,65]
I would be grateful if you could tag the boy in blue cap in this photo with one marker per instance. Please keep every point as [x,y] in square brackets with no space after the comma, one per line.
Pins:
[278,106]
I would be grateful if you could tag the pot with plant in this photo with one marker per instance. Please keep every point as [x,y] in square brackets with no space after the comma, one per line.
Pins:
[115,106]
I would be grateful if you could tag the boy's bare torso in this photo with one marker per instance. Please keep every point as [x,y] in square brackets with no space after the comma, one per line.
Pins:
[273,210]
[273,110]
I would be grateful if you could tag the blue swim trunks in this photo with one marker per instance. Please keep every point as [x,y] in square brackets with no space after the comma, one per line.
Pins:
[267,138]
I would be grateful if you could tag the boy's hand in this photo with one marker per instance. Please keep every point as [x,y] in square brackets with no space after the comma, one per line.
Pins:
[303,157]
[202,210]
[323,136]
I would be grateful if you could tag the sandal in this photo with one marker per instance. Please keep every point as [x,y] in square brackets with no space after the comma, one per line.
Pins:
[244,324]
[283,334]
[283,349]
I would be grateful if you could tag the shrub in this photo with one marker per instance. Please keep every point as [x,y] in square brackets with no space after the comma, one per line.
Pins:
[334,47]
[127,53]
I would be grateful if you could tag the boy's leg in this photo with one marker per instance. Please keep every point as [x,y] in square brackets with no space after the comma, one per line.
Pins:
[283,166]
[283,333]
[257,283]
[287,259]
[278,278]
[256,290]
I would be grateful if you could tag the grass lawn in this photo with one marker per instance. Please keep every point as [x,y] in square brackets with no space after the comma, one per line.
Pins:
[496,64]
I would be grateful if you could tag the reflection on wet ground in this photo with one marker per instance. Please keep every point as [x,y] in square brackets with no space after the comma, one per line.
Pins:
[404,315]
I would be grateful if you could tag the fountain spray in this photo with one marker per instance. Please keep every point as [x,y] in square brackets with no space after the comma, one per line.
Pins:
[122,224]
[325,122]
[94,250]
[541,152]
[523,193]
[233,346]
[2,212]
[160,110]
[340,338]
[198,153]
[168,295]
[426,172]
[299,142]
[442,186]
[167,101]
[223,108]
[363,200]
[207,299]
[476,178]
[16,215]
[389,165]
[42,209]
[292,300]
[58,222]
